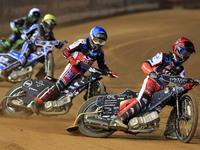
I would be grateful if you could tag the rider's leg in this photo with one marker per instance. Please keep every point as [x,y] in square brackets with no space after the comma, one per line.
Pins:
[149,86]
[26,50]
[69,73]
[170,132]
[5,72]
[10,41]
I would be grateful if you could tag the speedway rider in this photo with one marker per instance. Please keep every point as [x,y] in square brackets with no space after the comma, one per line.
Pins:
[42,31]
[20,25]
[161,63]
[86,51]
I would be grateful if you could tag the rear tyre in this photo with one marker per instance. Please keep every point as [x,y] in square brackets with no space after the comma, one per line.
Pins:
[10,111]
[186,124]
[90,106]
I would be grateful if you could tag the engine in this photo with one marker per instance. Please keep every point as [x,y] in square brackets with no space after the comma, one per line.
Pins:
[144,121]
[21,74]
[63,103]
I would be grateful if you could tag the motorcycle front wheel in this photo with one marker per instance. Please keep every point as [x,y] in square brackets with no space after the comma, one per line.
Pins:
[50,65]
[97,88]
[90,106]
[10,111]
[187,121]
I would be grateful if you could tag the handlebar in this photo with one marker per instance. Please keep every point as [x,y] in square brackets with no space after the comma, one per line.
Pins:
[92,69]
[46,43]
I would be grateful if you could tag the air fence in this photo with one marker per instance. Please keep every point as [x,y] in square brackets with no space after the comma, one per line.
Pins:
[67,11]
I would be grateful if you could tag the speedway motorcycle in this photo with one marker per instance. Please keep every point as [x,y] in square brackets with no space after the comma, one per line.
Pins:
[18,97]
[43,55]
[94,115]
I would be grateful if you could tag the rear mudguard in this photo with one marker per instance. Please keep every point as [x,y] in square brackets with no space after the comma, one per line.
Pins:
[34,87]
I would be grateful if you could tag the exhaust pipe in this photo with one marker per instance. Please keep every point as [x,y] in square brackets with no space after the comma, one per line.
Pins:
[97,123]
[16,106]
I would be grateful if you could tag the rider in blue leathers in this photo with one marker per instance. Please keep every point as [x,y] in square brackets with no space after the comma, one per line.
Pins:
[42,31]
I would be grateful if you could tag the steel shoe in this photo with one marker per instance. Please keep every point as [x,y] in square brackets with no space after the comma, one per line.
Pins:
[33,106]
[117,123]
[170,133]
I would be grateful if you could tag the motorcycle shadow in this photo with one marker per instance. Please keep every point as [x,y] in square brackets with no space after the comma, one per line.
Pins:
[138,137]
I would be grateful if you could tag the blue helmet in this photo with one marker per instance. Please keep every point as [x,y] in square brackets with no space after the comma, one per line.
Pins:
[97,38]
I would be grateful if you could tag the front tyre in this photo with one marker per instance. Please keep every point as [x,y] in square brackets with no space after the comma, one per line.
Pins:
[10,111]
[50,65]
[90,106]
[187,122]
[97,88]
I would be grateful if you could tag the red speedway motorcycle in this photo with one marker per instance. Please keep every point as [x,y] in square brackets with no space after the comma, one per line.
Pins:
[94,115]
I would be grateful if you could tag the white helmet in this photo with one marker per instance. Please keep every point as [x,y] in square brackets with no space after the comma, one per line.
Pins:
[34,15]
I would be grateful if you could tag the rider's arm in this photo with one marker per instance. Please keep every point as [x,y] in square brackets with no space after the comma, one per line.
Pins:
[102,65]
[31,31]
[101,62]
[189,85]
[147,66]
[69,50]
[17,23]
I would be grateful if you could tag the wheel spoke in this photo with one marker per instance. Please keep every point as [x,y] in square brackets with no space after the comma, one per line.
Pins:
[187,123]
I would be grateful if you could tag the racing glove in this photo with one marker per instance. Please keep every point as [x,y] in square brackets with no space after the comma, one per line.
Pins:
[60,45]
[153,75]
[113,74]
[15,30]
[24,37]
[197,81]
[73,61]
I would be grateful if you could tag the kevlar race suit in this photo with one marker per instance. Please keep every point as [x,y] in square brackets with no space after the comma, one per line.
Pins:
[35,32]
[81,50]
[22,24]
[161,63]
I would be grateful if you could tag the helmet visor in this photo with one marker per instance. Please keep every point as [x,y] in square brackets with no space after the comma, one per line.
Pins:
[98,41]
[184,54]
[50,24]
[35,18]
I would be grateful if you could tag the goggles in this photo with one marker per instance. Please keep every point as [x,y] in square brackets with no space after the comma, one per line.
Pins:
[183,52]
[50,24]
[98,41]
[35,18]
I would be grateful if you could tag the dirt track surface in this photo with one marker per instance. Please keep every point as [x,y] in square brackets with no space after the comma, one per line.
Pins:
[133,38]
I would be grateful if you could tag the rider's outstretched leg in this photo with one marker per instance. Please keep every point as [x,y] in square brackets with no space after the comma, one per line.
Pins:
[170,132]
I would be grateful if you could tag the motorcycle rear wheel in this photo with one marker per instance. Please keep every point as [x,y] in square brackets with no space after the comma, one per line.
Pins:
[186,124]
[90,106]
[10,111]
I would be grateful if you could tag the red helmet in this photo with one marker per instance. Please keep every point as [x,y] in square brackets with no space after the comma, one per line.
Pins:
[182,48]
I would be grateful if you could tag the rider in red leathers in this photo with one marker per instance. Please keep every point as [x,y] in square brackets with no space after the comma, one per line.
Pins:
[161,63]
[86,51]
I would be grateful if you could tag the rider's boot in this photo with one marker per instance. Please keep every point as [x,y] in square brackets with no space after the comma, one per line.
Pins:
[170,132]
[6,46]
[117,123]
[33,106]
